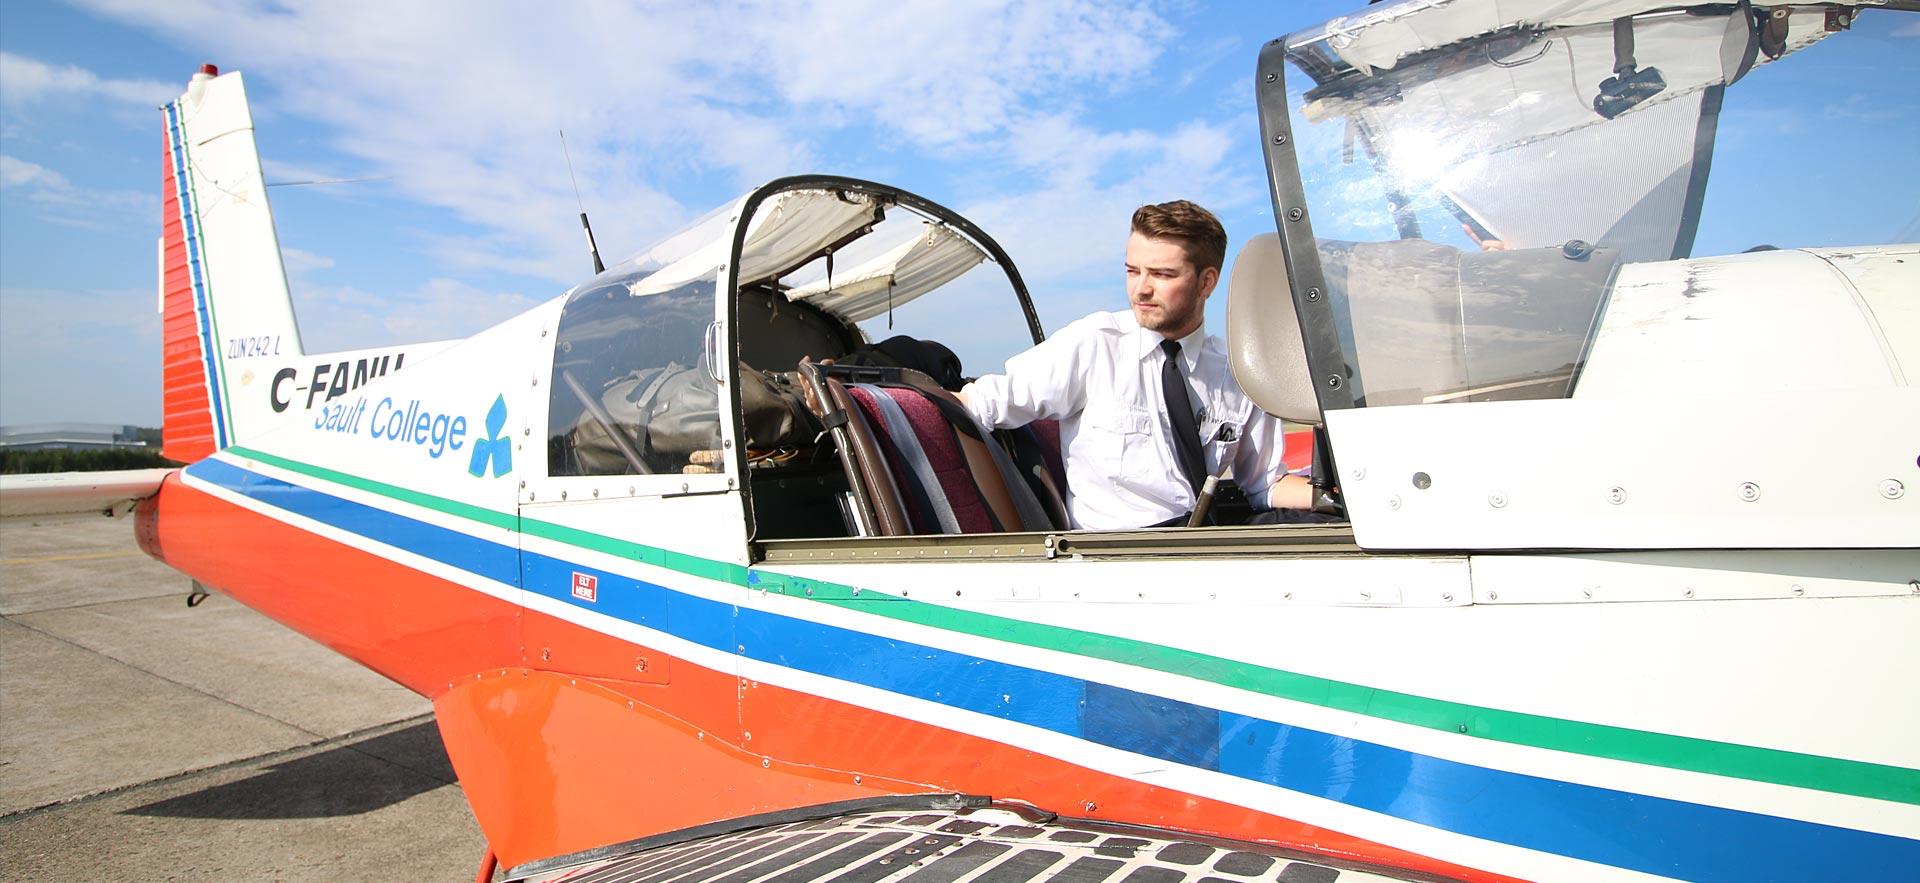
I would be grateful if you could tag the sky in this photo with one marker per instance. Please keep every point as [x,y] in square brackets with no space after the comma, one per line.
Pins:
[447,205]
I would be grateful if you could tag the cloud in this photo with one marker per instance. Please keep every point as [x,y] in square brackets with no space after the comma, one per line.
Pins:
[57,200]
[334,318]
[667,108]
[67,340]
[300,261]
[24,80]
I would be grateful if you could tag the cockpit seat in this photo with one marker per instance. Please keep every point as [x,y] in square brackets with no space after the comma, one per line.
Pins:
[928,460]
[1264,344]
[882,492]
[915,444]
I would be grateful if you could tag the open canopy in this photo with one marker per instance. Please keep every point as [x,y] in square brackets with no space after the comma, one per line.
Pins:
[932,257]
[1505,109]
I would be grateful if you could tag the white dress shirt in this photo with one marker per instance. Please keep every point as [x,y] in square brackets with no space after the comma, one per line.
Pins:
[1100,377]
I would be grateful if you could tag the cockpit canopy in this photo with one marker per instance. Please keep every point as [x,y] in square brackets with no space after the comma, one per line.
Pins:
[1478,172]
[637,376]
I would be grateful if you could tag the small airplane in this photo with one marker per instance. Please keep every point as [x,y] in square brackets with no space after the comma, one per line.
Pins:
[691,602]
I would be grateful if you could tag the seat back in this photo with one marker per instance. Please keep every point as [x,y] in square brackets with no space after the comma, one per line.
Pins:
[964,467]
[889,516]
[1268,355]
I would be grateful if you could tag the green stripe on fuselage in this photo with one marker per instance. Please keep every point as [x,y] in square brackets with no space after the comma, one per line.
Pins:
[1816,772]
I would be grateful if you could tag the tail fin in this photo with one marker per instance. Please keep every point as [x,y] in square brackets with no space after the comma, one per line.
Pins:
[224,295]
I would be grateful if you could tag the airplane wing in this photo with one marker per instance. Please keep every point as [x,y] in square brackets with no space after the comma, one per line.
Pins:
[933,838]
[62,493]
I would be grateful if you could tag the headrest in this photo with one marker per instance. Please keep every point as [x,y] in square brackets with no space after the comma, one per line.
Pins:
[1263,334]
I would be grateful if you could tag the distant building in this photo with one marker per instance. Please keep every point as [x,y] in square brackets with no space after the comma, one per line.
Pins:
[69,437]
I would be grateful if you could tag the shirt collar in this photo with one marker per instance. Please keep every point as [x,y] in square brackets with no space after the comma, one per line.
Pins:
[1190,346]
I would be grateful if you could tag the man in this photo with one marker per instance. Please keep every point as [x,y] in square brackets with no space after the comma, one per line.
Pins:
[1146,403]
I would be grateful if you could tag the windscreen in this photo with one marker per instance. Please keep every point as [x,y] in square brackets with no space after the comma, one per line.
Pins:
[1474,200]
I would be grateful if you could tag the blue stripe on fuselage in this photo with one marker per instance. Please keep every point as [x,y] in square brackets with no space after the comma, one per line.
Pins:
[1644,833]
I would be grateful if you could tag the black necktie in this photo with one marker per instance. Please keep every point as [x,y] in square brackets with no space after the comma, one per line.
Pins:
[1186,432]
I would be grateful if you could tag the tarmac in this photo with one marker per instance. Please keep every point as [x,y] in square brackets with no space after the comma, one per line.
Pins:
[141,739]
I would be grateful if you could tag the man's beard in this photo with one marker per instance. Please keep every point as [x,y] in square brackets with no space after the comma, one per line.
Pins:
[1162,319]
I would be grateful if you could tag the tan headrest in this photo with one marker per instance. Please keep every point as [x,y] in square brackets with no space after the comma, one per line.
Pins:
[1263,334]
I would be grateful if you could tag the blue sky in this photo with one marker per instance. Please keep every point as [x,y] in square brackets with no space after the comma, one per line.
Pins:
[1046,121]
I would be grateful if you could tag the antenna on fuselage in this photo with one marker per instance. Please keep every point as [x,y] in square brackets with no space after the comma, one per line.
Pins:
[593,248]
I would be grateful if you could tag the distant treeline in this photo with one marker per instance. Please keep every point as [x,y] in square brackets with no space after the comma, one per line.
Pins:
[96,460]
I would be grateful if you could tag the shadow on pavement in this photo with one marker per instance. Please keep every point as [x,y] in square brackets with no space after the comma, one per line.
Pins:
[349,779]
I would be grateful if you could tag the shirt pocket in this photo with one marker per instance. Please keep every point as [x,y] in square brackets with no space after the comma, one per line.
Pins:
[1123,441]
[1220,431]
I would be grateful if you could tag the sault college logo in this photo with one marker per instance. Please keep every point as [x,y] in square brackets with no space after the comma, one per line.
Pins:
[496,448]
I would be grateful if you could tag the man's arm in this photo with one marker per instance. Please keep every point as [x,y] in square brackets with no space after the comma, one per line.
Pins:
[1261,459]
[1291,492]
[1047,381]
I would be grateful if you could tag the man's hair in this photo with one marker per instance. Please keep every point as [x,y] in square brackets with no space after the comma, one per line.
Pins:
[1195,228]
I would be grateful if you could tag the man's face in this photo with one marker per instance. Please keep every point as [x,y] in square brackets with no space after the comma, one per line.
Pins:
[1167,293]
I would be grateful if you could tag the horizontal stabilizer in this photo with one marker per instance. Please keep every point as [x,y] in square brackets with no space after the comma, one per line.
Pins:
[63,493]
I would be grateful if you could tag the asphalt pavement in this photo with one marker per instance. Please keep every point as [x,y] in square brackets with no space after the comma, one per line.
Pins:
[141,739]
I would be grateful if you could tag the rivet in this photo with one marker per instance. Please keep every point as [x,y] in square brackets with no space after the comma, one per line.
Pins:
[536,381]
[1749,491]
[685,487]
[1271,77]
[809,593]
[1279,139]
[856,780]
[546,653]
[1366,596]
[1422,480]
[1914,584]
[629,490]
[1463,728]
[1616,495]
[1091,806]
[728,444]
[1313,295]
[523,485]
[746,737]
[1497,500]
[1288,596]
[563,495]
[766,762]
[1493,596]
[527,431]
[1892,489]
[1688,593]
[1334,381]
[1801,590]
[596,493]
[543,332]
[1447,597]
[1393,502]
[856,590]
[629,704]
[1295,214]
[1360,474]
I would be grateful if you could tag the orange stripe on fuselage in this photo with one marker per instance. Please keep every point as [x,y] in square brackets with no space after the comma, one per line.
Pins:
[556,761]
[418,629]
